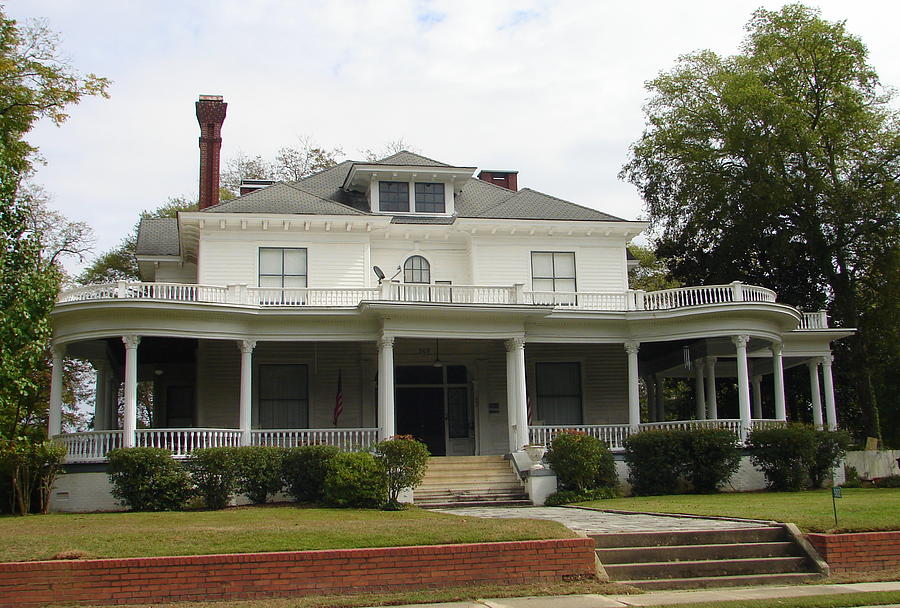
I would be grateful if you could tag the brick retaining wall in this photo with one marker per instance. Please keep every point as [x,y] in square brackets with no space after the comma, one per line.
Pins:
[252,575]
[858,551]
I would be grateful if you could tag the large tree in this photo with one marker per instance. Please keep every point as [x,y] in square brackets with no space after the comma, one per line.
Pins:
[35,83]
[778,166]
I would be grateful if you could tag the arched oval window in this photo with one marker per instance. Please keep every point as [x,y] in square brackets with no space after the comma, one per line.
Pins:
[416,269]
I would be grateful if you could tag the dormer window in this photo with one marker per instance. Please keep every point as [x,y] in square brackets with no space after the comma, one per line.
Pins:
[430,198]
[394,196]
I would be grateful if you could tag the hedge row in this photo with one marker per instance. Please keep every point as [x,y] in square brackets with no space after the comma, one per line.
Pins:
[148,479]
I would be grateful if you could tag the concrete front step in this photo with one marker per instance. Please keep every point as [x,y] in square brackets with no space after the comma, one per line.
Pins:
[468,486]
[626,555]
[746,580]
[470,481]
[477,503]
[712,567]
[692,537]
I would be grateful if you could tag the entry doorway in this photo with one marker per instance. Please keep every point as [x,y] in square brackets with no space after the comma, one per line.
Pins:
[432,404]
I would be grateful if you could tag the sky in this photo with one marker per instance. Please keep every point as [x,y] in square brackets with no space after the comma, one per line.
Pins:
[553,90]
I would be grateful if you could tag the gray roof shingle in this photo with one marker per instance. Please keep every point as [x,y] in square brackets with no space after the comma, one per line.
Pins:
[284,198]
[158,236]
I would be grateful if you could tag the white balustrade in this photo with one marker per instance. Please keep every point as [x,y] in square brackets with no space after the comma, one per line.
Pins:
[91,446]
[307,296]
[452,294]
[612,434]
[814,320]
[345,439]
[181,442]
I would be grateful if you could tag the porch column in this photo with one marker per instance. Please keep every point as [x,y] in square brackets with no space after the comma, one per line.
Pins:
[101,395]
[650,383]
[740,343]
[815,394]
[516,352]
[712,406]
[778,378]
[634,395]
[511,411]
[129,425]
[54,416]
[699,393]
[828,382]
[757,397]
[245,415]
[386,422]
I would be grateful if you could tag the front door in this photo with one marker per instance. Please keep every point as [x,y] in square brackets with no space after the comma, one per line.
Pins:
[420,413]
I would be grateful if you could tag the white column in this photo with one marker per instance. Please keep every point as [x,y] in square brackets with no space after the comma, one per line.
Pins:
[757,397]
[54,416]
[386,423]
[711,402]
[778,378]
[815,394]
[740,343]
[511,395]
[650,383]
[634,395]
[521,393]
[129,425]
[699,393]
[828,383]
[245,416]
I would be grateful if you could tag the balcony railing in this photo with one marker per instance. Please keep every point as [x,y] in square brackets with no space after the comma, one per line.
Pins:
[390,291]
[345,439]
[814,320]
[614,435]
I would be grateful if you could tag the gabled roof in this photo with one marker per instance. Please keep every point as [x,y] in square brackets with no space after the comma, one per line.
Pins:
[158,236]
[283,197]
[528,204]
[409,159]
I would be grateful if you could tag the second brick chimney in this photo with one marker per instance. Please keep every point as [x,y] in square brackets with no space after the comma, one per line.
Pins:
[210,115]
[504,179]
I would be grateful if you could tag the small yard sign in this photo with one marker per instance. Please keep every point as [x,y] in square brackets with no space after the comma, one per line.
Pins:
[835,493]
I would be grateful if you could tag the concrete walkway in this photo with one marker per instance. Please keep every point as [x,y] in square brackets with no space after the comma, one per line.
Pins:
[589,521]
[663,598]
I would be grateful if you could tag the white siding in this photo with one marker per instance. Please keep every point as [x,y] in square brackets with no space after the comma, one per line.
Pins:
[449,261]
[174,272]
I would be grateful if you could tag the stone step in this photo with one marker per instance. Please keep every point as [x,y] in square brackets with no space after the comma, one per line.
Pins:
[693,537]
[453,468]
[466,459]
[473,490]
[631,555]
[701,582]
[704,568]
[521,502]
[484,480]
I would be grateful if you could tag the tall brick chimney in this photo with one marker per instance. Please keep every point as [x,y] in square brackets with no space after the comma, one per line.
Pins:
[210,115]
[504,179]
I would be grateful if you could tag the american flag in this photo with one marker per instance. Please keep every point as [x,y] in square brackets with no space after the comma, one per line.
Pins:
[338,401]
[530,411]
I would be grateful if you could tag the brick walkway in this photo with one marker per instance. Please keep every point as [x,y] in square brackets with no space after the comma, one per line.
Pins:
[599,522]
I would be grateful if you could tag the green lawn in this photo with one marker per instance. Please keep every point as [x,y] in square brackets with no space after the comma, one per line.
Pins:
[858,510]
[843,600]
[249,529]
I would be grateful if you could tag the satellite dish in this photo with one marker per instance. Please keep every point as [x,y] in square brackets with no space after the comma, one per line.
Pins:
[378,273]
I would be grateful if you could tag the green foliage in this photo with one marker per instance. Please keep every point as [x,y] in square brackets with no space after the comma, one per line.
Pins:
[655,461]
[30,467]
[214,473]
[259,471]
[404,461]
[566,497]
[778,167]
[650,273]
[354,479]
[831,446]
[668,461]
[148,479]
[303,471]
[851,478]
[581,462]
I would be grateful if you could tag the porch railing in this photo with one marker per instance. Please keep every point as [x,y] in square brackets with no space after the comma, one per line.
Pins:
[91,446]
[181,442]
[345,439]
[814,320]
[390,291]
[614,435]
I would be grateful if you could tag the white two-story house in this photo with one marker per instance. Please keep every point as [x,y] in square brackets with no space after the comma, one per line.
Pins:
[411,296]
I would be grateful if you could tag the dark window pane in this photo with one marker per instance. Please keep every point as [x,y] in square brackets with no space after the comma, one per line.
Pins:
[416,270]
[430,198]
[283,397]
[393,196]
[456,374]
[418,374]
[558,393]
[457,412]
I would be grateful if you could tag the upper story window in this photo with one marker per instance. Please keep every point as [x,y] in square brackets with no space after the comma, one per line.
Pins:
[430,198]
[553,271]
[416,269]
[282,267]
[393,196]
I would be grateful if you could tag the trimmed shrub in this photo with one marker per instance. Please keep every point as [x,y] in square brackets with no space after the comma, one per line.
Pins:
[214,473]
[354,479]
[404,461]
[566,497]
[148,479]
[851,477]
[259,470]
[655,461]
[28,468]
[712,458]
[303,471]
[891,481]
[783,455]
[831,446]
[581,462]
